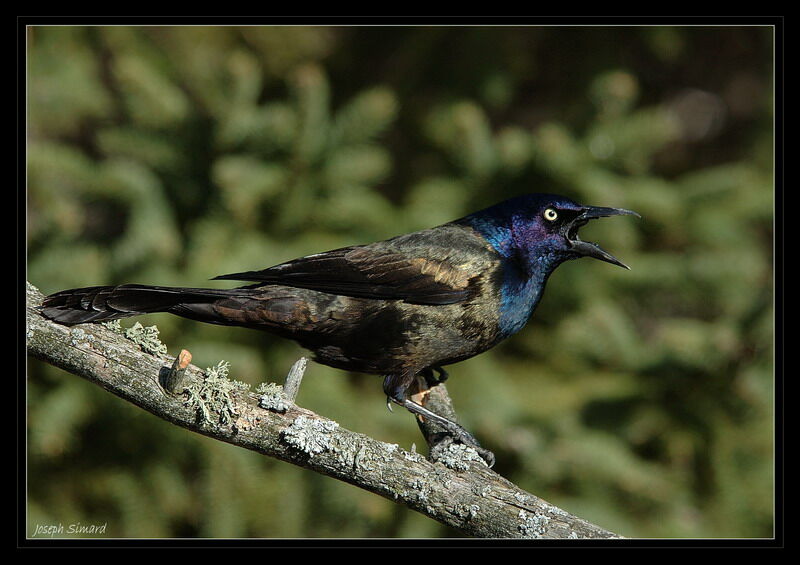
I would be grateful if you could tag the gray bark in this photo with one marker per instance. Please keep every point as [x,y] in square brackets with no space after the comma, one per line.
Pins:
[458,490]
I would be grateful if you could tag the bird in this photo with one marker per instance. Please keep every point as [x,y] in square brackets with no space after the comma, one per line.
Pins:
[401,307]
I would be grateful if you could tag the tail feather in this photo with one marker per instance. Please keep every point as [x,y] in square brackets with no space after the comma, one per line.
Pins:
[104,303]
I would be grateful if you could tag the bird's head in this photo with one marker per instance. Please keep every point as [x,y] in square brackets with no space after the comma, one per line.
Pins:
[543,228]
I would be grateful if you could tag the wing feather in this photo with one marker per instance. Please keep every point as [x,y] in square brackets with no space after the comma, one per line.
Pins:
[371,271]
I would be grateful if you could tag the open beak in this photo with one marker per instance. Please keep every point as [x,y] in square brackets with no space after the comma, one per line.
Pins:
[586,248]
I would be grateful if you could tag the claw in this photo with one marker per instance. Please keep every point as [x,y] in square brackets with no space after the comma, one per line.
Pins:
[486,455]
[456,431]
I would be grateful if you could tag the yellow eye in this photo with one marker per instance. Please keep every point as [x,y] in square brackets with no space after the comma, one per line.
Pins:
[550,215]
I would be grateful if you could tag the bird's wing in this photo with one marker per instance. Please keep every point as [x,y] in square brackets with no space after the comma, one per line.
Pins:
[371,271]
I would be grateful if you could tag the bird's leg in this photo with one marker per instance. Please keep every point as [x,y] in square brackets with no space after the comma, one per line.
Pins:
[397,388]
[456,430]
[430,380]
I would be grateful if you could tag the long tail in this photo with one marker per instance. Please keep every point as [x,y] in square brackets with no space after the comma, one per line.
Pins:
[103,303]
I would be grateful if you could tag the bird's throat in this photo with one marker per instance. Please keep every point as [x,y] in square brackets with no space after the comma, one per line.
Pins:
[523,286]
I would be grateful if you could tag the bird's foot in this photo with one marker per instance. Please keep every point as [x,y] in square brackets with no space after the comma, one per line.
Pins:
[432,380]
[454,430]
[486,455]
[443,375]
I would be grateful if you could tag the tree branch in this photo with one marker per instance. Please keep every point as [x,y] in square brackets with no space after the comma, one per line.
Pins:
[458,490]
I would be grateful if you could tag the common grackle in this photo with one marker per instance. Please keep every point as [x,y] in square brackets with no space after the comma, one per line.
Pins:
[399,307]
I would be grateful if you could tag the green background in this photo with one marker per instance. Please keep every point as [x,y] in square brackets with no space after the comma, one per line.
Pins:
[640,400]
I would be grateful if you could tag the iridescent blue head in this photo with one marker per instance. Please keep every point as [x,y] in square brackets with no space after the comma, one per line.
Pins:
[534,234]
[541,230]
